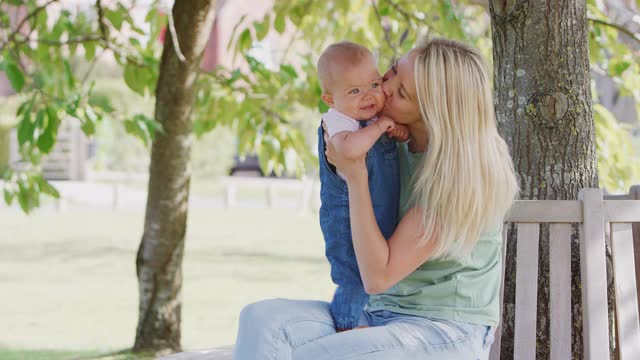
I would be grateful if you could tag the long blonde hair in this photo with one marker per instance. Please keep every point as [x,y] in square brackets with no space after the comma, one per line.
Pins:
[466,182]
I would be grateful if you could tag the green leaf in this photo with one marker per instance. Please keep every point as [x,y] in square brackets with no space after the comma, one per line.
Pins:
[68,75]
[102,102]
[23,107]
[154,127]
[115,17]
[143,127]
[136,129]
[279,23]
[233,33]
[262,28]
[23,197]
[288,69]
[46,140]
[15,76]
[8,196]
[47,188]
[41,20]
[89,50]
[263,159]
[134,78]
[40,123]
[90,120]
[25,129]
[245,41]
[235,75]
[617,68]
[58,29]
[53,120]
[137,30]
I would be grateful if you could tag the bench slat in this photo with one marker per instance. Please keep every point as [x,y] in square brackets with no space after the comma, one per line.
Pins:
[593,277]
[622,210]
[526,291]
[628,323]
[494,353]
[560,288]
[219,353]
[545,211]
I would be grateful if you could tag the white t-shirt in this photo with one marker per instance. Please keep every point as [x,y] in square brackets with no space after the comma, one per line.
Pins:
[336,122]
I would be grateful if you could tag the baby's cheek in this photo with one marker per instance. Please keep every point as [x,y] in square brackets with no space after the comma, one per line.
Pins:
[381,99]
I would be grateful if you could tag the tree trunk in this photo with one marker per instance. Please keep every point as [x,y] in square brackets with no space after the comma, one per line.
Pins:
[544,112]
[159,260]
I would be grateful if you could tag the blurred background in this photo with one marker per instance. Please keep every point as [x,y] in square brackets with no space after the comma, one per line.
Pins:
[75,193]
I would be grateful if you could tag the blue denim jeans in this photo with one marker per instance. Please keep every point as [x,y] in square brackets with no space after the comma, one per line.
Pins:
[384,186]
[302,329]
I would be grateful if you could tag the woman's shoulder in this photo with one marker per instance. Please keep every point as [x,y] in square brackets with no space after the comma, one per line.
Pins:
[492,234]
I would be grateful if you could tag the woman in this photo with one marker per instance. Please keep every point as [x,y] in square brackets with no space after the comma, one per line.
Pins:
[435,281]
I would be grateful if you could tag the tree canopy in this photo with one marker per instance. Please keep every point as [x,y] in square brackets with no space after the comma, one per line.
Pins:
[263,102]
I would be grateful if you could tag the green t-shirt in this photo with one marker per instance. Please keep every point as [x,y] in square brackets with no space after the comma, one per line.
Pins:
[446,289]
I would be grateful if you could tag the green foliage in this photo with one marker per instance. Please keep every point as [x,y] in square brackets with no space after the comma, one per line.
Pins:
[4,146]
[40,66]
[143,127]
[390,28]
[610,56]
[259,100]
[614,145]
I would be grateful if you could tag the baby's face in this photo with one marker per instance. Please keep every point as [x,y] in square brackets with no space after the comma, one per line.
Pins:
[357,93]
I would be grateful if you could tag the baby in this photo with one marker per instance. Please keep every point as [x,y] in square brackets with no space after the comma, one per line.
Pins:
[352,88]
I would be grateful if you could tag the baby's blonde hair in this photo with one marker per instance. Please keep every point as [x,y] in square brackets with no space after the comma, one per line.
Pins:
[466,183]
[337,58]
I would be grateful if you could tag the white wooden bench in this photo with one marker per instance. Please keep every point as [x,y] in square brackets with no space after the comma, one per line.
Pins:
[220,353]
[593,213]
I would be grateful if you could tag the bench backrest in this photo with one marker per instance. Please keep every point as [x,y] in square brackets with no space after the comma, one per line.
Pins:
[593,213]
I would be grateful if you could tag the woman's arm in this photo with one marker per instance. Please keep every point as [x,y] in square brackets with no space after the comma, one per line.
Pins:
[382,263]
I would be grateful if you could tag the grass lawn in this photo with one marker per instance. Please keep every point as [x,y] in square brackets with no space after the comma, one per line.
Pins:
[67,280]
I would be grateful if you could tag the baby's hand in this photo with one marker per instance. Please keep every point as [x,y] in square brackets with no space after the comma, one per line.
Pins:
[385,123]
[399,133]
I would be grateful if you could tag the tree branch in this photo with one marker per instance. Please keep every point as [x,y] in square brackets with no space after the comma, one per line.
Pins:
[412,17]
[91,67]
[294,36]
[408,16]
[618,27]
[387,38]
[105,38]
[77,40]
[27,18]
[174,37]
[101,22]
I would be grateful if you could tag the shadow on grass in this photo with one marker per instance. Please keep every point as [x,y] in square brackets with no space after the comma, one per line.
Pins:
[44,354]
[124,354]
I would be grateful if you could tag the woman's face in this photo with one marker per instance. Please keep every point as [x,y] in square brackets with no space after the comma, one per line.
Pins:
[400,90]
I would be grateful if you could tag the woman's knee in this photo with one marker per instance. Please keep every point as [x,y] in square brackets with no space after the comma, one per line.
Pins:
[277,312]
[261,311]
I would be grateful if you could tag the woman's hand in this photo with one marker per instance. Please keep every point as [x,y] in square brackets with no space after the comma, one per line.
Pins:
[352,169]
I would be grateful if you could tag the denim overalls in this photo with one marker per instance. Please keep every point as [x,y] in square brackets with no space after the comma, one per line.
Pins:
[384,186]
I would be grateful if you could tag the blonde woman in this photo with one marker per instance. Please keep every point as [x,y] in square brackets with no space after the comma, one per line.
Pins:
[434,283]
